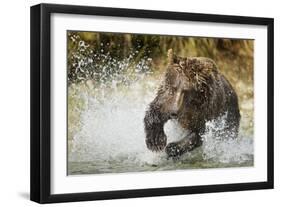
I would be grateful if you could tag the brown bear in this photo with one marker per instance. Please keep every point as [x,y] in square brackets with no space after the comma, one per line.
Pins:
[193,92]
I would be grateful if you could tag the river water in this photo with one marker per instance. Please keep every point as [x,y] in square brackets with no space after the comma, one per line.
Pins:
[106,132]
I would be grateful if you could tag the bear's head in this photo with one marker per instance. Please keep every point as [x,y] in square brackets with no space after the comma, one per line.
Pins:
[186,83]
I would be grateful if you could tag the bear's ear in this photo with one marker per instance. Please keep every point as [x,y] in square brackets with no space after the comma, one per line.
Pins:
[172,58]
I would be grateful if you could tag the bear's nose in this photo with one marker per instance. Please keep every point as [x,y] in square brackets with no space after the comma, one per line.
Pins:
[174,115]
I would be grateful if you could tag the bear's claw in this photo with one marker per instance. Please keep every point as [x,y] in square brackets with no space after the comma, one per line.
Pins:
[157,143]
[174,150]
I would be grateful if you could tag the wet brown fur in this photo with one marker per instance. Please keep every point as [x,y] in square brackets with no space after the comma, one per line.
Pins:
[195,92]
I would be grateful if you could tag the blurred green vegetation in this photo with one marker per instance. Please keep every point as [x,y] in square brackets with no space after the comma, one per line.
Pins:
[89,51]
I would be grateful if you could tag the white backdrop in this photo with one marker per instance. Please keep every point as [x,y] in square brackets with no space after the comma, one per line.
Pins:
[14,109]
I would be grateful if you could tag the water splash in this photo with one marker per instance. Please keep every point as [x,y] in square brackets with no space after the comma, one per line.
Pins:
[87,62]
[112,126]
[111,134]
[220,147]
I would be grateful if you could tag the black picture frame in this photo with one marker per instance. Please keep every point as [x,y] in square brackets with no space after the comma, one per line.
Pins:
[40,184]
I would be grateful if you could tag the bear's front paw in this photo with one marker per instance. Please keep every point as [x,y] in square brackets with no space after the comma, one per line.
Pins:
[157,143]
[174,150]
